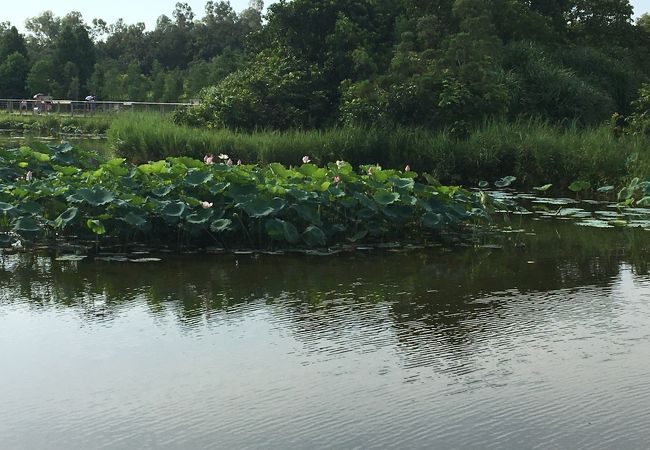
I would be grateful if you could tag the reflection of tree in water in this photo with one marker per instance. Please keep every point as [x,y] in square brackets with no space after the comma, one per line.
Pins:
[424,300]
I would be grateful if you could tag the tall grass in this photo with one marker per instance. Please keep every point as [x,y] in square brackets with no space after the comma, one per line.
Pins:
[534,152]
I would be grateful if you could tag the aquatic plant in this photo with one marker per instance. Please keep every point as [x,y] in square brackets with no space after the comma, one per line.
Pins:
[50,193]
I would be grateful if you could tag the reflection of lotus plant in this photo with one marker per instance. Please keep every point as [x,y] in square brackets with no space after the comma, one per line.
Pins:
[80,195]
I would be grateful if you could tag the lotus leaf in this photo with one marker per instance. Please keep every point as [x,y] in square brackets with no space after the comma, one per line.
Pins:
[27,224]
[96,226]
[65,218]
[314,236]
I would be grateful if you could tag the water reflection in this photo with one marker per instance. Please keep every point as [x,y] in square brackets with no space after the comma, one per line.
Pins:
[538,342]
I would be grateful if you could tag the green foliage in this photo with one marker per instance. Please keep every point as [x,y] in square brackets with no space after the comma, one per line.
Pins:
[535,152]
[65,192]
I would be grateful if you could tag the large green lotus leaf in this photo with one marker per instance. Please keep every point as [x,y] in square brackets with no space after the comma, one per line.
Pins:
[385,198]
[30,208]
[96,226]
[282,230]
[189,163]
[174,210]
[221,225]
[645,201]
[314,236]
[433,220]
[365,214]
[162,191]
[402,183]
[365,201]
[311,170]
[94,197]
[218,188]
[399,213]
[241,192]
[579,186]
[261,207]
[136,221]
[302,195]
[281,171]
[358,236]
[66,170]
[197,178]
[66,217]
[308,213]
[157,167]
[5,207]
[27,224]
[200,217]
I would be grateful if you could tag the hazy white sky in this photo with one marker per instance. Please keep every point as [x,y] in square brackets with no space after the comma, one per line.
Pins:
[132,11]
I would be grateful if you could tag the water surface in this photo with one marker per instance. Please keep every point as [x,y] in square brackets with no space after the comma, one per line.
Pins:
[543,343]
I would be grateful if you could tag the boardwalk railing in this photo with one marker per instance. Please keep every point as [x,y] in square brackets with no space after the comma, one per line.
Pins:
[82,107]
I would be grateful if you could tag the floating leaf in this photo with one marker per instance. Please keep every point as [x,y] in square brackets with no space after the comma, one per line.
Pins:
[483,184]
[94,197]
[544,188]
[71,258]
[505,181]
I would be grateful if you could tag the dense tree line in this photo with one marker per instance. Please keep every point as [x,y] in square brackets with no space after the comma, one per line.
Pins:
[320,63]
[69,58]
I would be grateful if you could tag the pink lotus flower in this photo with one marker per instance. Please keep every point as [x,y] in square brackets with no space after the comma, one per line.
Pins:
[208,159]
[306,160]
[340,164]
[206,205]
[407,168]
[337,179]
[29,175]
[229,162]
[239,162]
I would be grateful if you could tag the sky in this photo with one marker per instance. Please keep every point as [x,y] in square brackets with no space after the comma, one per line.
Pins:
[132,11]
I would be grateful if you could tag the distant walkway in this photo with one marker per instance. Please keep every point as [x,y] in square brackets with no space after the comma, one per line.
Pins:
[46,105]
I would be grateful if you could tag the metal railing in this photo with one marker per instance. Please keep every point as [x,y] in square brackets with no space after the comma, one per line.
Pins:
[84,108]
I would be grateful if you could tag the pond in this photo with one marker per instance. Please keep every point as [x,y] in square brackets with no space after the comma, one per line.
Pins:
[539,339]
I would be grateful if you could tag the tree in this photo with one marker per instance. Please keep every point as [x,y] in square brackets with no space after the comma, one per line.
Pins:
[11,41]
[13,76]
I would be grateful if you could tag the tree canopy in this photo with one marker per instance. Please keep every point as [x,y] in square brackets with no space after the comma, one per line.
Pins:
[320,63]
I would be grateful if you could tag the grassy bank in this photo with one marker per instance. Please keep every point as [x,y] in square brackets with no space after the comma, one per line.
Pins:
[534,152]
[55,124]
